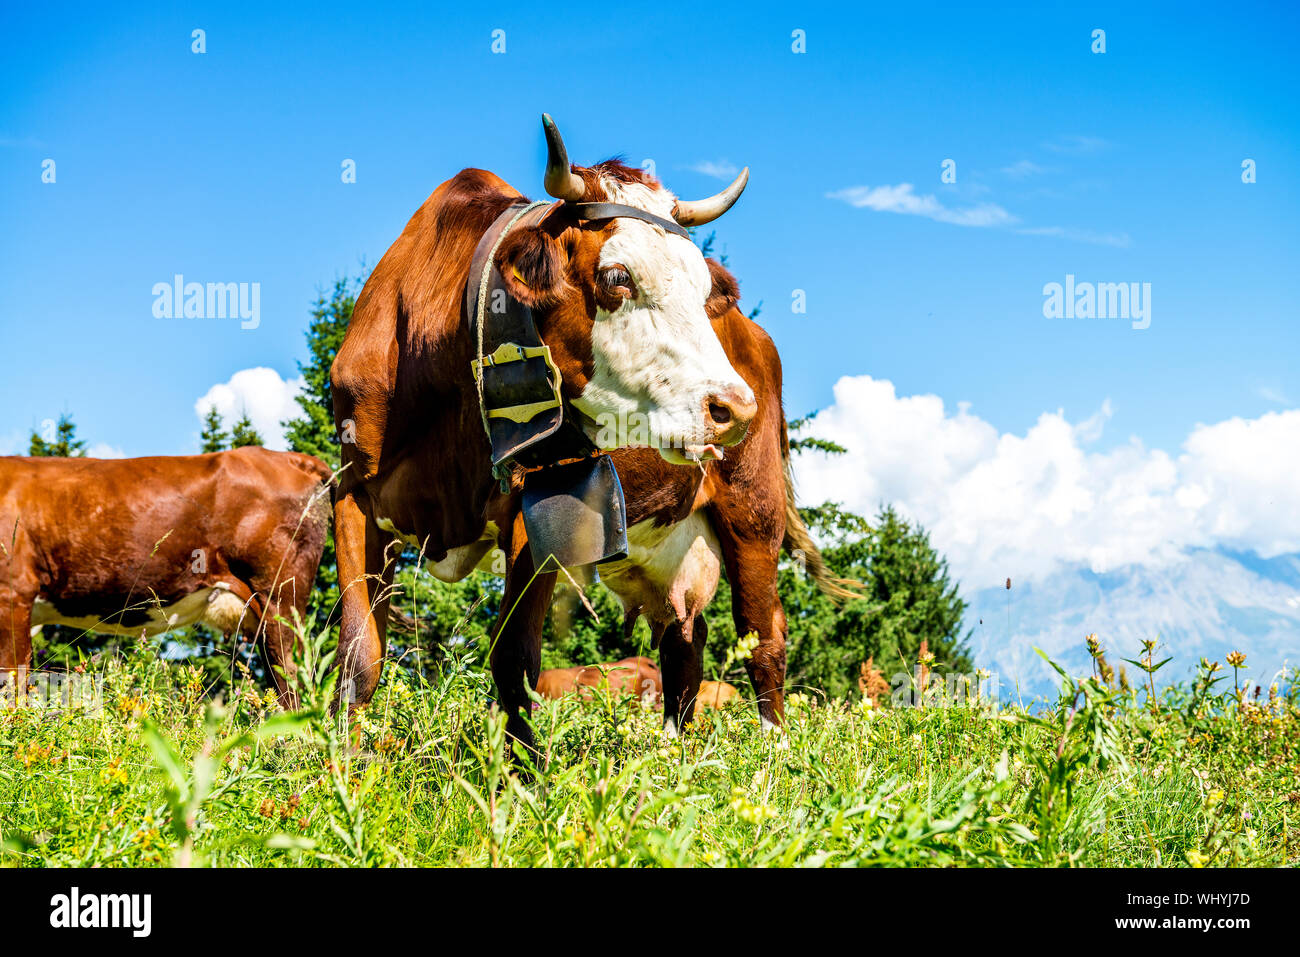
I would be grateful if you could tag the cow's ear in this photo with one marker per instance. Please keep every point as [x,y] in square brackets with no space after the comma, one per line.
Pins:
[532,265]
[725,292]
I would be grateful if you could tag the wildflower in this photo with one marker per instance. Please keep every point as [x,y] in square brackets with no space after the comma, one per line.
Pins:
[113,775]
[1236,659]
[745,646]
[1197,859]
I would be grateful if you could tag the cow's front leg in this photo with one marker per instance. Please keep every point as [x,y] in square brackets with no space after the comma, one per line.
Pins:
[751,557]
[517,637]
[766,665]
[15,646]
[681,664]
[365,582]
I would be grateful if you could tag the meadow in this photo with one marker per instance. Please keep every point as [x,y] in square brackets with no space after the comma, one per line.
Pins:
[168,772]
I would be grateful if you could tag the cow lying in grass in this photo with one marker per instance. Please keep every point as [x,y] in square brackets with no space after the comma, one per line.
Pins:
[632,676]
[141,546]
[685,524]
[715,694]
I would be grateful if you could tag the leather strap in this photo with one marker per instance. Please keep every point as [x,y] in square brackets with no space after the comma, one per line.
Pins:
[599,211]
[518,386]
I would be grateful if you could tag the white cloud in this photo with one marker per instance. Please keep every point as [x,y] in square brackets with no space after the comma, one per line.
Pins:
[1121,240]
[1025,506]
[720,169]
[901,199]
[102,450]
[1076,144]
[1022,169]
[267,398]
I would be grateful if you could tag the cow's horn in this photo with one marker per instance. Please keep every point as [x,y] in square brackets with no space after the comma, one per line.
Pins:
[700,211]
[561,182]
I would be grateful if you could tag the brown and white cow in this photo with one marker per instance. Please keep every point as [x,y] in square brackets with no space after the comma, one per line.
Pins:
[142,546]
[633,676]
[619,301]
[686,523]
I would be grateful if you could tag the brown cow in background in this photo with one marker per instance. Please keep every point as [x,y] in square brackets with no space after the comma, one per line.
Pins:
[635,676]
[716,694]
[142,546]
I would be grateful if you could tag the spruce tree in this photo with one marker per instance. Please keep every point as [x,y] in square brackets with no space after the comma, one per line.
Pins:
[242,433]
[65,443]
[214,437]
[313,431]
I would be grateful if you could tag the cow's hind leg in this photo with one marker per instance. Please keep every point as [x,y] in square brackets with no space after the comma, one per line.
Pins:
[681,663]
[280,642]
[15,647]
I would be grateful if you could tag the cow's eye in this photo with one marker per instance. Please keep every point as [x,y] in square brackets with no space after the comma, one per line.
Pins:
[616,279]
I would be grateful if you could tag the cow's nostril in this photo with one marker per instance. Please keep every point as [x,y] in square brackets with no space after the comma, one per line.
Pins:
[720,413]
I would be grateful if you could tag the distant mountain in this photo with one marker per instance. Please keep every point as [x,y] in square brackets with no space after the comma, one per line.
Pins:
[1206,604]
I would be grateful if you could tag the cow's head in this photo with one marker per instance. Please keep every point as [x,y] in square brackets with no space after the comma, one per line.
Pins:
[624,305]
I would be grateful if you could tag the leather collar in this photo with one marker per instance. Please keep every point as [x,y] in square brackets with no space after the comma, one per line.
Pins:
[601,211]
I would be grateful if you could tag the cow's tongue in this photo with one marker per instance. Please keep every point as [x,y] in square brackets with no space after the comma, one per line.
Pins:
[704,453]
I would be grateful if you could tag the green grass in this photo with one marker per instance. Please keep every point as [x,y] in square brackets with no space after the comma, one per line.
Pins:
[162,774]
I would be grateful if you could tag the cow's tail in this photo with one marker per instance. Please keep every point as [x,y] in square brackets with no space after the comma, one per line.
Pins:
[798,542]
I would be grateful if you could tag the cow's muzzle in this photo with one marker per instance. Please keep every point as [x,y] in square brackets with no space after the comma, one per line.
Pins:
[728,412]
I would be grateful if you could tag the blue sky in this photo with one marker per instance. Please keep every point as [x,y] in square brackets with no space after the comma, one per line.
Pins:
[1123,166]
[225,167]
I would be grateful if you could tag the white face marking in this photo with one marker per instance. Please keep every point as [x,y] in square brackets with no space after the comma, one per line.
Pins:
[657,359]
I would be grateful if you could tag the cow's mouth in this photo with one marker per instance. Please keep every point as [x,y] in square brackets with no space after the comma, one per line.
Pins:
[692,454]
